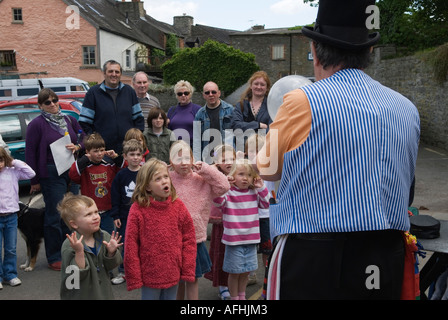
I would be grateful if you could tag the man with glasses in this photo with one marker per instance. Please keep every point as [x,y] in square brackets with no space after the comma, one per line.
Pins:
[214,118]
[111,108]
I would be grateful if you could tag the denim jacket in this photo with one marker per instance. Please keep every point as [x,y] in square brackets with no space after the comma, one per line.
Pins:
[225,119]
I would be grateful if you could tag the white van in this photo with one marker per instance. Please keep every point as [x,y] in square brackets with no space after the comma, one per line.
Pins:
[15,89]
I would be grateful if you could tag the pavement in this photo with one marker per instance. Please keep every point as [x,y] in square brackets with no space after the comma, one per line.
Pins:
[431,197]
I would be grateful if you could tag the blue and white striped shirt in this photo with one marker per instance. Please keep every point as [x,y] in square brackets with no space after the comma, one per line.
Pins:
[354,170]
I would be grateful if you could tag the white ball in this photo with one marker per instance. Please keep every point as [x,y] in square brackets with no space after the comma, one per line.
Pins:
[282,87]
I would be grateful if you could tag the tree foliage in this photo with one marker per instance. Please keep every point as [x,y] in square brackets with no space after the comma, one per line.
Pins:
[411,24]
[414,24]
[230,68]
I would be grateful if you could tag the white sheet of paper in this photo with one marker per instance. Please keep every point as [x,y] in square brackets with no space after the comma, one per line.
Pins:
[63,158]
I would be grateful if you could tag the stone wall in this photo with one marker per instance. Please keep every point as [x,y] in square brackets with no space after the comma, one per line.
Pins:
[296,49]
[413,77]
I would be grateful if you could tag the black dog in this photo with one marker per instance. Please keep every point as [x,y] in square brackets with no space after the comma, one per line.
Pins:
[31,226]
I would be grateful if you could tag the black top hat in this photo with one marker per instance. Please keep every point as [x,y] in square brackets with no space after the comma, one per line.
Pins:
[342,23]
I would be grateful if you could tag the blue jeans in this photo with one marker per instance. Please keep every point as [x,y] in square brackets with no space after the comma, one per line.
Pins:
[122,232]
[8,241]
[54,187]
[159,294]
[107,222]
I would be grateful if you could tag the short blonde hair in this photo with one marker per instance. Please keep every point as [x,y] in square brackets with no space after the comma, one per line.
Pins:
[144,177]
[132,145]
[180,145]
[71,206]
[247,165]
[182,84]
[220,150]
[136,134]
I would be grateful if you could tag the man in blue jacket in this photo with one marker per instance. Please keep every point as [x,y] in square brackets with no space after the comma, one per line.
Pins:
[215,121]
[111,108]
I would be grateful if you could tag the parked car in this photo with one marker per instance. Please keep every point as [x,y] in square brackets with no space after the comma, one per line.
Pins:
[11,89]
[73,95]
[13,125]
[65,104]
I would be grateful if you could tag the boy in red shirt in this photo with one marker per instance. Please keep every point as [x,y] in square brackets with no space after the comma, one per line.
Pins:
[95,173]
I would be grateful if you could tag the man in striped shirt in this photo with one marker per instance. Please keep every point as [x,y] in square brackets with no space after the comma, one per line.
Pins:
[345,149]
[140,83]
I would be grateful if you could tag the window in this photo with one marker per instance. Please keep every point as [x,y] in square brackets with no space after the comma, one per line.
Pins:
[30,116]
[10,128]
[17,15]
[27,92]
[58,89]
[278,52]
[88,55]
[78,88]
[128,58]
[5,92]
[8,59]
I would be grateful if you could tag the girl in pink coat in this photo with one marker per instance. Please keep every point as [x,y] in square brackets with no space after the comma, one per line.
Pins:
[197,184]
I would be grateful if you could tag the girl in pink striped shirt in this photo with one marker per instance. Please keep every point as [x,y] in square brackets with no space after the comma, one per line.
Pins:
[241,225]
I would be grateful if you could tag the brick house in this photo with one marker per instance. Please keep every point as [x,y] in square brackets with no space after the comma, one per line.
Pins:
[75,38]
[279,52]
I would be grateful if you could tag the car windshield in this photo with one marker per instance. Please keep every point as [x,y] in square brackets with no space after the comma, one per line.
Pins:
[10,127]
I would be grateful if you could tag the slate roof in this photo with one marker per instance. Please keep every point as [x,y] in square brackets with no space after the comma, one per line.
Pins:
[104,15]
[262,31]
[217,34]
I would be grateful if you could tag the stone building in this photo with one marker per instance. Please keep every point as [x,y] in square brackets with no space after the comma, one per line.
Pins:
[279,52]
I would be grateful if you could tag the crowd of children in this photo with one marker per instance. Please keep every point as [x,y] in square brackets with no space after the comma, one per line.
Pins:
[146,214]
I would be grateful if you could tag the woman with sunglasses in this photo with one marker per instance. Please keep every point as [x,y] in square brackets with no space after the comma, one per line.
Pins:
[42,131]
[182,115]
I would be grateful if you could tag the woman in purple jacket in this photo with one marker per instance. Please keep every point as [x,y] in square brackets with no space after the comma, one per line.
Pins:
[181,116]
[43,130]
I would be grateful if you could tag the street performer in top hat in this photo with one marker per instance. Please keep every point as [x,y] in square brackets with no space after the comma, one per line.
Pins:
[346,150]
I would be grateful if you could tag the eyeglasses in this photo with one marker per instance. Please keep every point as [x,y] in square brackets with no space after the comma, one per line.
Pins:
[212,92]
[186,93]
[48,102]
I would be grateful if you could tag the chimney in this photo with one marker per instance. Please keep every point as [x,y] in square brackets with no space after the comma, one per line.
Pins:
[183,24]
[134,9]
[258,27]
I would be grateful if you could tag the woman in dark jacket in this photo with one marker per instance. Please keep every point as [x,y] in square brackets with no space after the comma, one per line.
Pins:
[252,111]
[42,131]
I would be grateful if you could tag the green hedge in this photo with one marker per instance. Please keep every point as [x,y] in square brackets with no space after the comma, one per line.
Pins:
[230,68]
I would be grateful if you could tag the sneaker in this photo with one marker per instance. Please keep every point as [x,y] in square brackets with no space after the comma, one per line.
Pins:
[1,286]
[224,294]
[14,282]
[118,279]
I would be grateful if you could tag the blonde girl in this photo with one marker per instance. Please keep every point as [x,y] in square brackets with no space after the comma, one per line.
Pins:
[223,158]
[241,224]
[197,184]
[11,171]
[160,246]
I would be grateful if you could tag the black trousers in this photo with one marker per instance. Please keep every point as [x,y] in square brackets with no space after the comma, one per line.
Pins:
[358,265]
